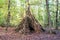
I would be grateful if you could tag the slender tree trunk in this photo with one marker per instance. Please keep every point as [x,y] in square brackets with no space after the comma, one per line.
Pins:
[57,14]
[49,18]
[8,15]
[47,8]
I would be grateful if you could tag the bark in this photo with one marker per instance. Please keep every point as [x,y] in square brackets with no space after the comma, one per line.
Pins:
[49,19]
[57,14]
[47,8]
[8,15]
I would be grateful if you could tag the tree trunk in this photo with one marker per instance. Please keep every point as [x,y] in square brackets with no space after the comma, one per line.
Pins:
[57,14]
[8,15]
[47,7]
[49,18]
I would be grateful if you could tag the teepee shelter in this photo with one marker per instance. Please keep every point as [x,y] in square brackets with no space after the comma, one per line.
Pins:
[29,24]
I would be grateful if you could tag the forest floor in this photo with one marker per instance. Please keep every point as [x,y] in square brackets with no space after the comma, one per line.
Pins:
[11,35]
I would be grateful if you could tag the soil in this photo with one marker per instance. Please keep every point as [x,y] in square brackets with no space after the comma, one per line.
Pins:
[12,35]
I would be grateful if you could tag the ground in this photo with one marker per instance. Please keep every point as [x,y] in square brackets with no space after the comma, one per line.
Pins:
[11,35]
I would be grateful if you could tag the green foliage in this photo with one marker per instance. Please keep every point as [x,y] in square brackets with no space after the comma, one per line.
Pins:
[38,9]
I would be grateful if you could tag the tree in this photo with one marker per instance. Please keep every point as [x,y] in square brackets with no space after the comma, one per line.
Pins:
[49,18]
[47,8]
[8,15]
[57,14]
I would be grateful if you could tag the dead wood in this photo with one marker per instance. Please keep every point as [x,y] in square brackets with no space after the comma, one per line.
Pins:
[29,24]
